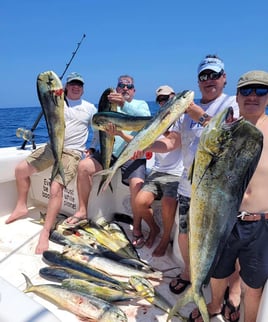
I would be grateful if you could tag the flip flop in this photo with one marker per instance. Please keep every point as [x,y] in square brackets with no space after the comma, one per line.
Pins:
[191,319]
[78,222]
[179,280]
[138,241]
[231,310]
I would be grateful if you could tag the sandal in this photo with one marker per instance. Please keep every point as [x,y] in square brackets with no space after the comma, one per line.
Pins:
[138,241]
[192,319]
[179,280]
[77,222]
[230,309]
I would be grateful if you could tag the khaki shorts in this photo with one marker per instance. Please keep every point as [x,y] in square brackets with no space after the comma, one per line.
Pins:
[43,158]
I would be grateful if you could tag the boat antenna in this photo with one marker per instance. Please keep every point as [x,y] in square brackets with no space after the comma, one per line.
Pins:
[41,113]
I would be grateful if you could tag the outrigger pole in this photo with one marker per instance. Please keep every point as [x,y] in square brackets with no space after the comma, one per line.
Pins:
[61,77]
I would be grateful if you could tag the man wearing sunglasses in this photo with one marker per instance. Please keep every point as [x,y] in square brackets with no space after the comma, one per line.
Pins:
[133,171]
[248,239]
[185,134]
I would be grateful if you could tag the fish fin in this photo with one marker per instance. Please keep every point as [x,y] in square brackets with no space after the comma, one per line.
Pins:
[29,284]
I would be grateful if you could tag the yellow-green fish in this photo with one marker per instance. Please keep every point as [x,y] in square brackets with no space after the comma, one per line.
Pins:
[51,96]
[226,158]
[162,120]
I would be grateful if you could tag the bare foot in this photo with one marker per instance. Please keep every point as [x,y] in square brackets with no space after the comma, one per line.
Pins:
[150,240]
[17,214]
[43,242]
[160,250]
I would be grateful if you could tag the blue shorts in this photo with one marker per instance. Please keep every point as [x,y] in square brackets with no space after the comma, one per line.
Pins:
[161,184]
[130,169]
[184,206]
[248,243]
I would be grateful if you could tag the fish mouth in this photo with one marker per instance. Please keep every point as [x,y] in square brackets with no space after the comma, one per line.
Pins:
[229,119]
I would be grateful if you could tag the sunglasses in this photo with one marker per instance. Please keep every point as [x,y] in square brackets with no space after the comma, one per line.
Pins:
[259,91]
[212,76]
[122,85]
[163,98]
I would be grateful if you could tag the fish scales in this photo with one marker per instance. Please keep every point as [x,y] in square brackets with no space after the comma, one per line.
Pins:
[226,158]
[122,122]
[106,140]
[81,304]
[162,120]
[51,97]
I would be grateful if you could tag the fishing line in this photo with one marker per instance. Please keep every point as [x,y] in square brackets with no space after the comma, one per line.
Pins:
[28,135]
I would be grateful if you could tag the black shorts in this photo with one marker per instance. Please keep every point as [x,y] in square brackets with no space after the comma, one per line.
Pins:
[130,169]
[248,243]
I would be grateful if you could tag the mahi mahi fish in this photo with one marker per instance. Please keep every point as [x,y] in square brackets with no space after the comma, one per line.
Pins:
[122,122]
[162,120]
[83,305]
[226,158]
[51,97]
[106,140]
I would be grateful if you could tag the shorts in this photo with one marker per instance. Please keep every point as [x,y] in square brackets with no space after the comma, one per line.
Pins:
[130,169]
[43,158]
[248,243]
[184,206]
[161,184]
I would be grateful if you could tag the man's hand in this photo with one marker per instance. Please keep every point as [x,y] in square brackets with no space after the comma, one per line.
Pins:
[116,98]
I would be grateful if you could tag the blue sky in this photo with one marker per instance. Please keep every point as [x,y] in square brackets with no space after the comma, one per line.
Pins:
[157,42]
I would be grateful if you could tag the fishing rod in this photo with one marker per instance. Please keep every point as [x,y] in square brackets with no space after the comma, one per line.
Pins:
[28,135]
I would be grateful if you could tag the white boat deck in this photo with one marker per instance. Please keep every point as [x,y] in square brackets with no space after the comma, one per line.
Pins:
[17,252]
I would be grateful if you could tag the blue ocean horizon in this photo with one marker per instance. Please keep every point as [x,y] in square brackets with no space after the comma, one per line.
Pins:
[13,118]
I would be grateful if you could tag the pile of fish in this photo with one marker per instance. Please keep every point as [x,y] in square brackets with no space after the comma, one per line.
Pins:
[97,268]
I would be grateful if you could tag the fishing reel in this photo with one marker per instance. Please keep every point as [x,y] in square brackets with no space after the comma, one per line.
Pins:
[26,135]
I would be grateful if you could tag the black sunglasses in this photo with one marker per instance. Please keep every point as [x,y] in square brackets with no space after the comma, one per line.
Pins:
[162,98]
[122,85]
[211,76]
[259,91]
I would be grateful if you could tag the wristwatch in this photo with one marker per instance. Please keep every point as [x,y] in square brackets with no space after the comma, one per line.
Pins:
[203,119]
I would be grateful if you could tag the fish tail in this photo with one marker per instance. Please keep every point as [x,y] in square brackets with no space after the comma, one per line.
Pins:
[186,298]
[108,175]
[29,284]
[102,183]
[58,169]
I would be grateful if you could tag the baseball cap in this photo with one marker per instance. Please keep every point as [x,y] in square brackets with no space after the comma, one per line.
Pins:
[75,77]
[211,63]
[254,77]
[164,90]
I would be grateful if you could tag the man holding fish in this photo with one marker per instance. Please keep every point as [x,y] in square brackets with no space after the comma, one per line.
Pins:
[133,171]
[248,238]
[72,115]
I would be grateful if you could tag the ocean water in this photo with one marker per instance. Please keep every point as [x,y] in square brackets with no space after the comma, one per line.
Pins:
[24,117]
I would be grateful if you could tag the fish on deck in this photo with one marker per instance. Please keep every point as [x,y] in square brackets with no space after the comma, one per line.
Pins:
[226,158]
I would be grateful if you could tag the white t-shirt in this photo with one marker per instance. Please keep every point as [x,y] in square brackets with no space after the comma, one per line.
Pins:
[170,162]
[78,117]
[191,131]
